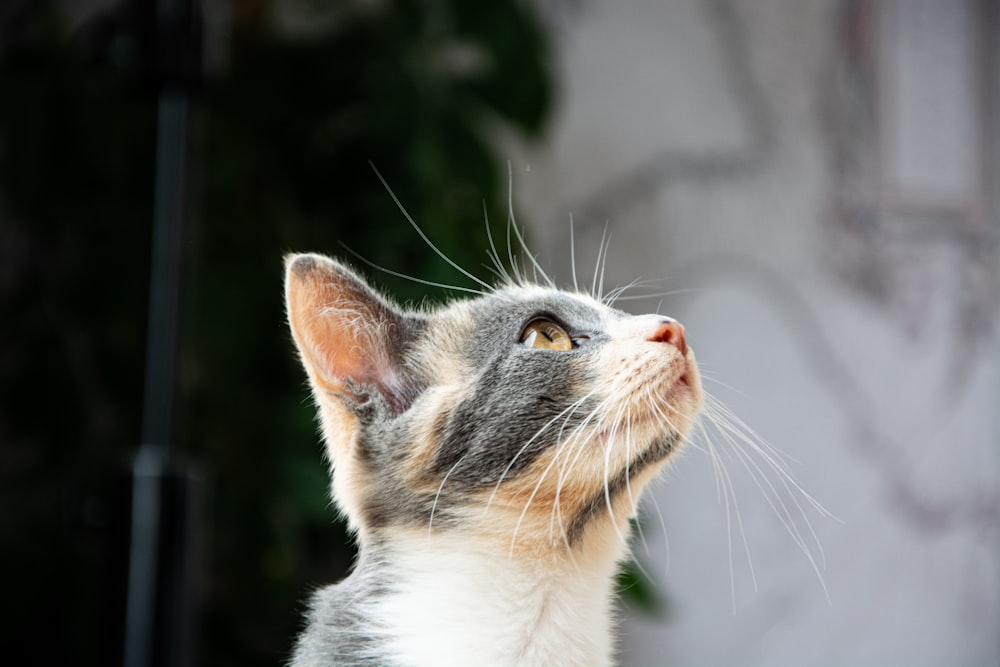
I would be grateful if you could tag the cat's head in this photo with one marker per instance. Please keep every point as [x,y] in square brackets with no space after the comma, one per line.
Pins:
[530,415]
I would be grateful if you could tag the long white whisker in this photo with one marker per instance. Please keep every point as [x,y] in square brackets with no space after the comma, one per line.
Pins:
[565,469]
[614,295]
[775,459]
[520,237]
[575,439]
[779,507]
[740,441]
[423,236]
[534,492]
[568,412]
[654,295]
[734,425]
[666,537]
[510,256]
[634,504]
[598,410]
[492,253]
[563,444]
[610,441]
[725,482]
[572,254]
[709,376]
[628,479]
[437,495]
[607,468]
[604,265]
[598,264]
[421,281]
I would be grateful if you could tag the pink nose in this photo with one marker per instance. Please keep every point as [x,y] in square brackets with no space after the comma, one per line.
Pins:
[671,333]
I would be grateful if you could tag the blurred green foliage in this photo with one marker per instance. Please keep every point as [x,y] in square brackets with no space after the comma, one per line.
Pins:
[280,151]
[281,145]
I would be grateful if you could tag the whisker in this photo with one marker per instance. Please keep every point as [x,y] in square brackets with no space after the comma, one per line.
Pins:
[708,376]
[632,500]
[501,270]
[598,264]
[568,412]
[510,256]
[654,295]
[423,236]
[604,265]
[760,476]
[775,458]
[614,295]
[742,442]
[437,495]
[628,480]
[777,504]
[729,493]
[666,538]
[560,447]
[609,446]
[566,468]
[572,254]
[534,492]
[607,482]
[520,237]
[421,281]
[724,492]
[577,437]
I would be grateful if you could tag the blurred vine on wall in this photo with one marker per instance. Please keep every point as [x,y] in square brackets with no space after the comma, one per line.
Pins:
[282,137]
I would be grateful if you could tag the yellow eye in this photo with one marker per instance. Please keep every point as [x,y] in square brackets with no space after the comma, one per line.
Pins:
[546,335]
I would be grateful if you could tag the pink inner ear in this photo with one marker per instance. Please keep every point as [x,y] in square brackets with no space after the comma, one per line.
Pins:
[338,351]
[338,324]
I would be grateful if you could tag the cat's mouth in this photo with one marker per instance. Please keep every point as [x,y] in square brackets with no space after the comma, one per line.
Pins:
[680,399]
[687,380]
[685,384]
[671,409]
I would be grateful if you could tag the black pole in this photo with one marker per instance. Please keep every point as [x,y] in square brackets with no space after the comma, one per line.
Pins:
[164,295]
[158,627]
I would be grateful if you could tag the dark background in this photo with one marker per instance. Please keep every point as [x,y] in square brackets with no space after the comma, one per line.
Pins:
[284,125]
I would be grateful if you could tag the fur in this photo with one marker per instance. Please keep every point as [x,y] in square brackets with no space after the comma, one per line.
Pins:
[489,482]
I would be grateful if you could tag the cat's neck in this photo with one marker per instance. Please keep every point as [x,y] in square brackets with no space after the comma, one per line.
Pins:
[452,601]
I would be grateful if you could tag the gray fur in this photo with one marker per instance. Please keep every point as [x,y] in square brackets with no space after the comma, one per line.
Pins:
[338,629]
[516,393]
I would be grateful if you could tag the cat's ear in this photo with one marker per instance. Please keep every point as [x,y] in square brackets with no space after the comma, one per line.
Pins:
[349,337]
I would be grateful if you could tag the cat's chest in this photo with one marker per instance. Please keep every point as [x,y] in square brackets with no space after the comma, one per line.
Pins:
[452,606]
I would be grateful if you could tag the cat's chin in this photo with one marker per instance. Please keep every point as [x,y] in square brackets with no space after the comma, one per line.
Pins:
[673,404]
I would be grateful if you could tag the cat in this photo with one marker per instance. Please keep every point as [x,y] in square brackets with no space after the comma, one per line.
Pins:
[488,454]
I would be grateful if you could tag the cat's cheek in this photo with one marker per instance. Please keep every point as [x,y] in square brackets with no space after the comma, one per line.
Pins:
[428,418]
[533,515]
[688,394]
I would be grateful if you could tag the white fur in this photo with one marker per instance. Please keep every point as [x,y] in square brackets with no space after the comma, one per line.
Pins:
[457,604]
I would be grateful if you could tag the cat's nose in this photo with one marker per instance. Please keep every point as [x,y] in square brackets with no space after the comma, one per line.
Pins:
[672,333]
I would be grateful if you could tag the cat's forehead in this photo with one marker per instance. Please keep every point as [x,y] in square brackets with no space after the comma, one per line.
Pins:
[522,301]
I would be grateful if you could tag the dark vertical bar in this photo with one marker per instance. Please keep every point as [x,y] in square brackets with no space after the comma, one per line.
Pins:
[161,351]
[162,498]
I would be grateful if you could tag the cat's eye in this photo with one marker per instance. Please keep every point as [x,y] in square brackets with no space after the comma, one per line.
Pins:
[546,335]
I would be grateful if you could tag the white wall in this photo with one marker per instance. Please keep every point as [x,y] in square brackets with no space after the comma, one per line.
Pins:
[860,340]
